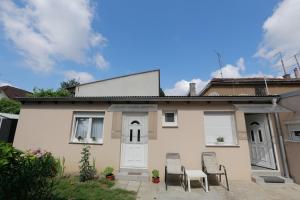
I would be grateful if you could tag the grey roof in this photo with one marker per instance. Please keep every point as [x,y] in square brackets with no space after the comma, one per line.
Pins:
[149,99]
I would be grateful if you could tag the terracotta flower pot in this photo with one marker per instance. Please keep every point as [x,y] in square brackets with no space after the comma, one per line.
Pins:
[155,180]
[110,177]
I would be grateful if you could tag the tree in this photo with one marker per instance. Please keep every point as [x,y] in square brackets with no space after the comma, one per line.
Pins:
[10,106]
[40,92]
[161,92]
[69,84]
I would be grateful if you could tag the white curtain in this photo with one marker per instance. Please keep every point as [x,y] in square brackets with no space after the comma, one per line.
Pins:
[97,128]
[82,127]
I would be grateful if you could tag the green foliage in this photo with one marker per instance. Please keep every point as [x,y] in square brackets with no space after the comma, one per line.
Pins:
[39,92]
[87,171]
[26,175]
[220,139]
[72,188]
[108,171]
[10,106]
[68,84]
[60,166]
[155,173]
[161,93]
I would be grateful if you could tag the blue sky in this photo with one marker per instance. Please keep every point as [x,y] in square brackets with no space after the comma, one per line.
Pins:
[52,41]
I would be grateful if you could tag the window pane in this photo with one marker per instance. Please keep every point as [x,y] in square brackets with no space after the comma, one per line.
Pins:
[219,125]
[82,127]
[97,128]
[169,117]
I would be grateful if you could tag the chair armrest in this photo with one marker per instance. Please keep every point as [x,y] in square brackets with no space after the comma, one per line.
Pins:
[183,168]
[222,166]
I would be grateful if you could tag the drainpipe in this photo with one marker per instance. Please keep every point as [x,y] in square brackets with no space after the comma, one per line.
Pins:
[281,143]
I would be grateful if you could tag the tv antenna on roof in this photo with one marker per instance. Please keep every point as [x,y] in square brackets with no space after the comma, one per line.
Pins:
[220,62]
[282,63]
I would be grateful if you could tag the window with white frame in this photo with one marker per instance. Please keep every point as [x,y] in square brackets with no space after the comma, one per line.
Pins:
[169,119]
[88,127]
[294,131]
[219,128]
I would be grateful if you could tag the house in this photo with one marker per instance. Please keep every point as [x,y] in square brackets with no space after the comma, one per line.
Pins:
[8,125]
[130,127]
[8,121]
[11,92]
[250,86]
[290,124]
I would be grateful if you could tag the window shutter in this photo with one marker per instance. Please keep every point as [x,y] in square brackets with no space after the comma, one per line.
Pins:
[152,125]
[116,130]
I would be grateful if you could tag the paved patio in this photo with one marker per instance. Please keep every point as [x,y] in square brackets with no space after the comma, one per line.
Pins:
[239,190]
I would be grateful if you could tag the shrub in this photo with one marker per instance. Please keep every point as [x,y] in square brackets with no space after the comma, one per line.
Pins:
[26,175]
[108,171]
[155,173]
[87,171]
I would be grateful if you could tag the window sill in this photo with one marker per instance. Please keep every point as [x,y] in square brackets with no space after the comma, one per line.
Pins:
[89,143]
[222,145]
[294,141]
[170,126]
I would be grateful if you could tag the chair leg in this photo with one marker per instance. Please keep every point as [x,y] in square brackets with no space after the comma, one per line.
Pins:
[166,181]
[226,181]
[220,178]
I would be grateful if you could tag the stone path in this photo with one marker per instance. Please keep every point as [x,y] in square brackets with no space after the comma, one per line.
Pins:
[239,190]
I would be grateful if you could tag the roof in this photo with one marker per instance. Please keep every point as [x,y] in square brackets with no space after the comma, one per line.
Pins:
[13,92]
[249,81]
[9,115]
[131,99]
[123,76]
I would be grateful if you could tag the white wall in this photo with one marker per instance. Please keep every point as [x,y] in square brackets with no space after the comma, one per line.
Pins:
[142,84]
[2,95]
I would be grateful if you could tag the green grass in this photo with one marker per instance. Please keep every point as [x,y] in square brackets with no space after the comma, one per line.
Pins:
[72,189]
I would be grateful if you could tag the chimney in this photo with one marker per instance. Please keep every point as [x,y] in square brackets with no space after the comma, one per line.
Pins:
[192,89]
[287,76]
[297,73]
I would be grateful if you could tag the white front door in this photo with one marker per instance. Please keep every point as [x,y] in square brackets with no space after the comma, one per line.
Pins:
[260,141]
[134,147]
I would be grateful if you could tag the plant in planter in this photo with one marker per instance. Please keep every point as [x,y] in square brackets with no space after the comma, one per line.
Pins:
[79,138]
[155,176]
[220,139]
[108,173]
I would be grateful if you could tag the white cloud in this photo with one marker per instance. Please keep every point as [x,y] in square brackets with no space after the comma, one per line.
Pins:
[228,71]
[46,32]
[182,87]
[82,77]
[4,84]
[281,33]
[100,62]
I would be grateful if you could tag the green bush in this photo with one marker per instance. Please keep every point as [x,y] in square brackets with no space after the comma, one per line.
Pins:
[108,171]
[10,106]
[87,171]
[155,173]
[26,175]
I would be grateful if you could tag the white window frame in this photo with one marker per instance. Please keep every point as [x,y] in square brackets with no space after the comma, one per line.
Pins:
[292,128]
[233,125]
[88,139]
[169,124]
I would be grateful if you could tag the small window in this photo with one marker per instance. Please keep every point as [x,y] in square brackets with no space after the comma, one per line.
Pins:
[88,128]
[252,136]
[169,119]
[220,128]
[294,131]
[260,136]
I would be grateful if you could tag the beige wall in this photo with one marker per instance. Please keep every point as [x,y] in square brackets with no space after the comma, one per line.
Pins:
[49,127]
[248,90]
[292,147]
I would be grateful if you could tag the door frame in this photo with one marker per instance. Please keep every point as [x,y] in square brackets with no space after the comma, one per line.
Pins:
[123,145]
[269,125]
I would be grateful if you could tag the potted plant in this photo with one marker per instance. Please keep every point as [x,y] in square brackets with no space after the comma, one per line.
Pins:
[79,138]
[155,176]
[220,139]
[108,173]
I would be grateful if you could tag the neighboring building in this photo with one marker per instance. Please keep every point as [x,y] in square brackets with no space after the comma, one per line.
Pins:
[10,92]
[250,86]
[290,124]
[8,125]
[133,132]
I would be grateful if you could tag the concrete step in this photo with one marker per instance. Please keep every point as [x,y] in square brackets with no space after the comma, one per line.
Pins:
[265,173]
[260,180]
[141,170]
[133,176]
